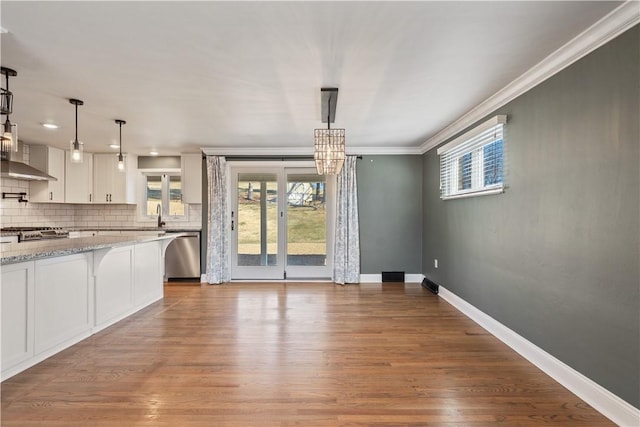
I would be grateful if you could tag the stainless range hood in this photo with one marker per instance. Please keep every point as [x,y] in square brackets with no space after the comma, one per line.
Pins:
[17,170]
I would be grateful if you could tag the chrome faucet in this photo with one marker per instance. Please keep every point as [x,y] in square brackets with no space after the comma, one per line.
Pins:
[159,212]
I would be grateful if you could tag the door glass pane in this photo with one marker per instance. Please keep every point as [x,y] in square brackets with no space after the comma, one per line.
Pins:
[257,219]
[306,220]
[176,207]
[154,194]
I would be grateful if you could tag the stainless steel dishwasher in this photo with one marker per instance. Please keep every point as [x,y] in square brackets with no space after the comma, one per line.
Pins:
[182,258]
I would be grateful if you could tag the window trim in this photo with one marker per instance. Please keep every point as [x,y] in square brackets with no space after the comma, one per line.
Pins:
[452,153]
[142,212]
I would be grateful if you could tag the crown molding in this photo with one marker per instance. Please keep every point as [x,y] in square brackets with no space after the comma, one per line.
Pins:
[304,151]
[258,151]
[382,151]
[606,29]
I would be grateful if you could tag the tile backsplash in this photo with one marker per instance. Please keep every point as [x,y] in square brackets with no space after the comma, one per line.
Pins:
[15,214]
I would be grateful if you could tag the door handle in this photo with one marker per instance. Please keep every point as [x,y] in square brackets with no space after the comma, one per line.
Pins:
[50,195]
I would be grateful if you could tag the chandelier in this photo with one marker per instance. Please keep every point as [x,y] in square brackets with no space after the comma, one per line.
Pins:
[329,143]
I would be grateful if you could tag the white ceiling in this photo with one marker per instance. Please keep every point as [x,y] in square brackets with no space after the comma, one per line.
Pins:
[186,75]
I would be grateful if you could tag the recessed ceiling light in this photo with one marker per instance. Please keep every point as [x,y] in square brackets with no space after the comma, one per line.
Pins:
[114,146]
[153,153]
[50,125]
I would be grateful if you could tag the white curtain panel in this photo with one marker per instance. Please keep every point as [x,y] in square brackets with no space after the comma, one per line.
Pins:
[346,259]
[217,239]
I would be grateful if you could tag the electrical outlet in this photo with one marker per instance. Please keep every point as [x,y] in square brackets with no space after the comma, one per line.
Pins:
[435,263]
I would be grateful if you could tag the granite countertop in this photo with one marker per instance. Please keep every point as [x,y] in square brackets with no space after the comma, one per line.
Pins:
[168,229]
[27,251]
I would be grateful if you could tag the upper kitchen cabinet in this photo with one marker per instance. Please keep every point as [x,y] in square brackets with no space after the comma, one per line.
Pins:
[78,179]
[191,165]
[51,161]
[111,185]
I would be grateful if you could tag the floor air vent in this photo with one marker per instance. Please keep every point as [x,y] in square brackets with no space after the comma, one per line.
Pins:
[393,276]
[430,286]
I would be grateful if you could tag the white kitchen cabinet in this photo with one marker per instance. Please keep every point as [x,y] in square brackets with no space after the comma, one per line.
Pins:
[50,304]
[114,286]
[63,301]
[78,181]
[147,273]
[51,161]
[110,185]
[191,165]
[17,315]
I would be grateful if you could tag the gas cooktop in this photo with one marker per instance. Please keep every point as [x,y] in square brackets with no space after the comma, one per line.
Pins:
[37,233]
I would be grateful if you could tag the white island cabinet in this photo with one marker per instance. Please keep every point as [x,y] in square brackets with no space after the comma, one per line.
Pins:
[62,302]
[17,313]
[52,302]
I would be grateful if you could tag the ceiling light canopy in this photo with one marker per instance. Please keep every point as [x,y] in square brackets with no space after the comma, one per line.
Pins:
[77,147]
[329,150]
[120,156]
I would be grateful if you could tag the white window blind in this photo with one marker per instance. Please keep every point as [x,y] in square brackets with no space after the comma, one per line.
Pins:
[473,163]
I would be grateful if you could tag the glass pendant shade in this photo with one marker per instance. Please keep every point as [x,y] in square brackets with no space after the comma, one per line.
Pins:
[9,136]
[329,151]
[77,149]
[121,165]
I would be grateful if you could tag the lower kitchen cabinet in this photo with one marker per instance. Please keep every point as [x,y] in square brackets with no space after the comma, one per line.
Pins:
[114,286]
[17,313]
[148,273]
[62,301]
[46,307]
[53,303]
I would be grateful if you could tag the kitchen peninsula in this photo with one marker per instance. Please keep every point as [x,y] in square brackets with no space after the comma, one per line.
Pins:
[55,293]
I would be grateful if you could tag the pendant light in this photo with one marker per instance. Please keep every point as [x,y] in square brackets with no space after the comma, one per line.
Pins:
[120,156]
[77,147]
[9,130]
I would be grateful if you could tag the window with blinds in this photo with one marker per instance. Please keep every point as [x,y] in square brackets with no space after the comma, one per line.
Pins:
[473,163]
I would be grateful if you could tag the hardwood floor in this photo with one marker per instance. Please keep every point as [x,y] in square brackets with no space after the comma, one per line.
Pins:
[291,354]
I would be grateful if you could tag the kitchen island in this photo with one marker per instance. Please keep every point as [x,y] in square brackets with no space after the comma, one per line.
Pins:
[55,293]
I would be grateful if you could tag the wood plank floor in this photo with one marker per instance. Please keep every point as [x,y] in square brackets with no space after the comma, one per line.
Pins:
[291,354]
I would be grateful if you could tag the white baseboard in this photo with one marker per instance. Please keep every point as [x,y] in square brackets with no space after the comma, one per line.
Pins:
[377,278]
[605,402]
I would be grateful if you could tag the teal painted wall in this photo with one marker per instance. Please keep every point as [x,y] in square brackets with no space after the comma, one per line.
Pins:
[555,258]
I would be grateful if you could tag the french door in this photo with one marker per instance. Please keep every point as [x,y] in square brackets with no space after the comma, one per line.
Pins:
[282,221]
